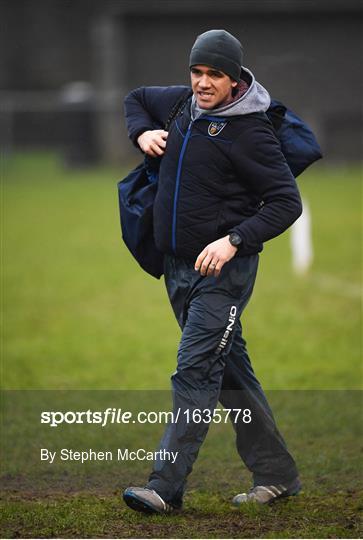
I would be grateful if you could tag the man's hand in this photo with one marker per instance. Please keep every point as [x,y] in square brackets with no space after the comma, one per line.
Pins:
[153,142]
[214,256]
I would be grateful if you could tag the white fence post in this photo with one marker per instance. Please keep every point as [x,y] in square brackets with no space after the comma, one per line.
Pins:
[301,242]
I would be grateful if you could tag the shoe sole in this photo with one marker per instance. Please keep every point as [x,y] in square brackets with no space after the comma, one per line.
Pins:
[138,504]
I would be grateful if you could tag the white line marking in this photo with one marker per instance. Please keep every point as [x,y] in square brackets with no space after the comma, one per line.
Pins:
[339,286]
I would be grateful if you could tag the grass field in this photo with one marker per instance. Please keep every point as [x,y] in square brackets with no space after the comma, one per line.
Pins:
[78,314]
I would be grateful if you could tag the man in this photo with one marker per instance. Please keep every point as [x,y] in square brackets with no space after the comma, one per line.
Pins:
[224,189]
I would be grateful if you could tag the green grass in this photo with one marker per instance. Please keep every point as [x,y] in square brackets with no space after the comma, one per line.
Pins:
[90,516]
[79,314]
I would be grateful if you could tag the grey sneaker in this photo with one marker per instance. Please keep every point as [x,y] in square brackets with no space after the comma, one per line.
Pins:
[146,500]
[268,494]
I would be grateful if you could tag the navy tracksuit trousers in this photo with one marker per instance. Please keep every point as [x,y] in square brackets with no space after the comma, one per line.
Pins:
[213,365]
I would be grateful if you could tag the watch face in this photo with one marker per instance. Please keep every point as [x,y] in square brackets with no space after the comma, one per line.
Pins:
[235,239]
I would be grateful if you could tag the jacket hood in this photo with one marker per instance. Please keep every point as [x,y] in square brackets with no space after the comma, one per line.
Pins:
[255,99]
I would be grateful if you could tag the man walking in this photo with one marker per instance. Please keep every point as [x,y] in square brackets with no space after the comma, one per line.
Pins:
[224,189]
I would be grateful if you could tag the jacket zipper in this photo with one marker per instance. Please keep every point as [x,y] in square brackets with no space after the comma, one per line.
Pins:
[177,184]
[178,174]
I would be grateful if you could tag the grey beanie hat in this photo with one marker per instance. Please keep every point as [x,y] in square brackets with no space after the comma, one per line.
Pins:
[220,50]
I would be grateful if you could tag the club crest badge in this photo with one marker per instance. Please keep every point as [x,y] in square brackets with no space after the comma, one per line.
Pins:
[215,128]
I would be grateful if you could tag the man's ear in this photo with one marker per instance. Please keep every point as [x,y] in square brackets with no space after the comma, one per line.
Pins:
[234,84]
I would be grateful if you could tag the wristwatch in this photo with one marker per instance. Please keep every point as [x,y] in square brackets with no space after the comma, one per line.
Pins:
[235,239]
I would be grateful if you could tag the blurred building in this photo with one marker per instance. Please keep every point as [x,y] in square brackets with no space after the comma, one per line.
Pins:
[65,65]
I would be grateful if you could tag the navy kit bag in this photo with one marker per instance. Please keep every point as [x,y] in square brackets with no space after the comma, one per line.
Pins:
[137,191]
[298,142]
[136,194]
[136,199]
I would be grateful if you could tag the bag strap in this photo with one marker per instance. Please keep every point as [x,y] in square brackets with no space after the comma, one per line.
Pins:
[177,107]
[152,164]
[276,113]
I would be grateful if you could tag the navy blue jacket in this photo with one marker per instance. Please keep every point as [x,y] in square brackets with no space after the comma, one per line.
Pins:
[209,186]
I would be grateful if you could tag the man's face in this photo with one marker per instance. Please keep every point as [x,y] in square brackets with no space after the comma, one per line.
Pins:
[211,87]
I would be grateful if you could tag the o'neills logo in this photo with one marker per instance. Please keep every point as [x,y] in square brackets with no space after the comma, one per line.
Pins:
[228,330]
